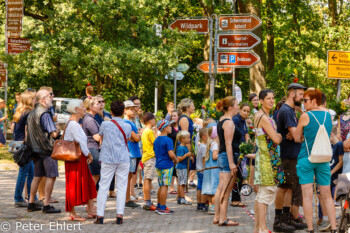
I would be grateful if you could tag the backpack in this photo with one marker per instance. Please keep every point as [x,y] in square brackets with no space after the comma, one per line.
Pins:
[321,150]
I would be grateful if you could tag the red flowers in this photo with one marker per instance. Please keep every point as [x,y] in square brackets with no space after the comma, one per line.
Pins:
[295,80]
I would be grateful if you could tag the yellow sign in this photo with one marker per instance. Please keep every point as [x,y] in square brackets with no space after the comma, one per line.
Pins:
[338,64]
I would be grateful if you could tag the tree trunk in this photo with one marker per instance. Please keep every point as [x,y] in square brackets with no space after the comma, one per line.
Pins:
[270,36]
[257,80]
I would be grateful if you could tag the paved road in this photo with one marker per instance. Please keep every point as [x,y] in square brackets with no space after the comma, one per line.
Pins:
[185,219]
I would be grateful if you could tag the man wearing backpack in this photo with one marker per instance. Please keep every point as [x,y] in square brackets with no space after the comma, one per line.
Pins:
[289,193]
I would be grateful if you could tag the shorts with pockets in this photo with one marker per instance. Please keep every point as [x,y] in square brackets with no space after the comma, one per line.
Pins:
[266,194]
[45,167]
[307,170]
[164,176]
[149,168]
[181,176]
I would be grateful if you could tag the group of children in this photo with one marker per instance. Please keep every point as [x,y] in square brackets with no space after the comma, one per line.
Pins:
[159,147]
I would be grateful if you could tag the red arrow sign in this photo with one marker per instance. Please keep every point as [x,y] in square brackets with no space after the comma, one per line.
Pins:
[204,67]
[240,41]
[244,22]
[18,41]
[3,72]
[2,78]
[18,48]
[238,59]
[187,24]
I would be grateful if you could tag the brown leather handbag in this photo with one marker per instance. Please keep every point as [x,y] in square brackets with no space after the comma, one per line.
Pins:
[66,150]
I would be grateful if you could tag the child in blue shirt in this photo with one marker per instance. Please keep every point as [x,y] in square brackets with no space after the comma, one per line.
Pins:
[183,155]
[165,156]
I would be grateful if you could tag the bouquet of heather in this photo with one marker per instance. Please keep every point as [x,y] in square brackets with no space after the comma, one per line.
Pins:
[247,148]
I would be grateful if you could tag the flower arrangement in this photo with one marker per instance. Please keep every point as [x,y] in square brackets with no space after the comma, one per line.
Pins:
[210,109]
[246,148]
[338,106]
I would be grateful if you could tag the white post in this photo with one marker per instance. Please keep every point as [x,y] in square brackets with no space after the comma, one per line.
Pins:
[156,99]
[175,87]
[211,78]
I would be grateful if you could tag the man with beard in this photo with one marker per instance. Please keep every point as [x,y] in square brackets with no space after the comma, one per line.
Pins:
[41,131]
[289,196]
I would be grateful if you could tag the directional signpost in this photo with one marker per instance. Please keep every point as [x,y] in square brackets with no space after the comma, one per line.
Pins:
[238,59]
[238,41]
[242,22]
[338,65]
[204,67]
[199,24]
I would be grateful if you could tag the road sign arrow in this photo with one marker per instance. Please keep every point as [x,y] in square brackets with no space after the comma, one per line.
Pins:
[204,67]
[244,22]
[199,24]
[238,59]
[334,57]
[238,40]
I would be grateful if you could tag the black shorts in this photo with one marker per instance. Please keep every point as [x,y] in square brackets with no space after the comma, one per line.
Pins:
[45,167]
[292,180]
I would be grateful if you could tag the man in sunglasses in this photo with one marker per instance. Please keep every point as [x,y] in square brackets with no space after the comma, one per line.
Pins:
[289,196]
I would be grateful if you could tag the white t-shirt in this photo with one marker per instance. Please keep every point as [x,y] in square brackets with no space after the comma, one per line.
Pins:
[202,148]
[214,146]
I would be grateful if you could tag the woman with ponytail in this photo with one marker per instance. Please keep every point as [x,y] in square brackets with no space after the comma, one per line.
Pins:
[226,163]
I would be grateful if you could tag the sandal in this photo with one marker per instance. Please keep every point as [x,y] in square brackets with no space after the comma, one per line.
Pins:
[238,204]
[99,220]
[91,216]
[173,192]
[227,223]
[215,221]
[119,220]
[76,218]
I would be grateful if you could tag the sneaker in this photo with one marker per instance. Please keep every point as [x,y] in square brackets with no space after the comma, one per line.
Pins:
[49,209]
[140,186]
[325,226]
[131,204]
[157,209]
[298,224]
[21,204]
[136,186]
[170,210]
[185,202]
[33,207]
[161,212]
[211,209]
[149,207]
[153,192]
[39,203]
[193,185]
[134,198]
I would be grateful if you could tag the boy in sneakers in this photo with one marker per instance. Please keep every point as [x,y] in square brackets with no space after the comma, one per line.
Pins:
[165,159]
[148,159]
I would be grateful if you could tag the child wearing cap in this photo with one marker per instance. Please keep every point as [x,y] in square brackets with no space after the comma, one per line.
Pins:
[165,159]
[148,158]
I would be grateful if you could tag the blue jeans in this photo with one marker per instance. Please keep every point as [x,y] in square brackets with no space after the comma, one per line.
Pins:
[25,173]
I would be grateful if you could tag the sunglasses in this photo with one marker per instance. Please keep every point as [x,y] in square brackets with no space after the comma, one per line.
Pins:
[305,100]
[101,101]
[51,94]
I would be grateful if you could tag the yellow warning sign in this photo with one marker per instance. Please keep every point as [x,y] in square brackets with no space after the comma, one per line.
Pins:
[338,64]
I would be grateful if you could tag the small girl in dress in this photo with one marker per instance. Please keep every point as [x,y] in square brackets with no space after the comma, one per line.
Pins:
[211,176]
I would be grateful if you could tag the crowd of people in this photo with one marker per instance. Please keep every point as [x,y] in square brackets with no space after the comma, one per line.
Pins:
[127,149]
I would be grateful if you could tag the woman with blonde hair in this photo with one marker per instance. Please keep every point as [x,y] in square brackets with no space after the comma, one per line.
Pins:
[186,106]
[227,165]
[91,129]
[25,173]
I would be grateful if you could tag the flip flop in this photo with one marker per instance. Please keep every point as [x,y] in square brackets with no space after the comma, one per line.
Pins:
[216,222]
[173,192]
[239,204]
[53,200]
[76,218]
[227,223]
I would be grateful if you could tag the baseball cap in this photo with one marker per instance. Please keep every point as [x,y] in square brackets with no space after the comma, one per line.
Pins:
[161,124]
[295,86]
[129,104]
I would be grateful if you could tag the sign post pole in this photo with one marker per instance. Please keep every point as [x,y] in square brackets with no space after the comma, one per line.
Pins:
[234,82]
[211,79]
[156,99]
[175,87]
[338,89]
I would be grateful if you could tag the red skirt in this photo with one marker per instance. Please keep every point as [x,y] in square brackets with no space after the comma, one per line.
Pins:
[80,186]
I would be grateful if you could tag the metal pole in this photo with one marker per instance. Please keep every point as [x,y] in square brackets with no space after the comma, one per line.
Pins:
[6,77]
[216,41]
[156,99]
[211,80]
[175,87]
[234,82]
[338,89]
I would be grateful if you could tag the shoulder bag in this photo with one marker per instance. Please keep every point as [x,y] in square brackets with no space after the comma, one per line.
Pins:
[122,131]
[66,150]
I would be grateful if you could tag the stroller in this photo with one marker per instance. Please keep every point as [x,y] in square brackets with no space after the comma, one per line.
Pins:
[343,196]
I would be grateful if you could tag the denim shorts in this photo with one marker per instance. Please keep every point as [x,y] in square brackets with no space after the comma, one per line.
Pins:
[200,181]
[223,164]
[95,166]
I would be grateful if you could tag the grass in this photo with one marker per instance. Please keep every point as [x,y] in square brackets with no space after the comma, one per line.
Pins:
[5,156]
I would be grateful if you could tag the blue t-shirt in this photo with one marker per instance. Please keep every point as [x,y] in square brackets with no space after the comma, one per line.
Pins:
[286,118]
[47,123]
[100,119]
[181,151]
[241,124]
[133,146]
[162,145]
[338,149]
[19,130]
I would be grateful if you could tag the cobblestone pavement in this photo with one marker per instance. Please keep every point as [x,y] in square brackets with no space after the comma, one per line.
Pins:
[185,219]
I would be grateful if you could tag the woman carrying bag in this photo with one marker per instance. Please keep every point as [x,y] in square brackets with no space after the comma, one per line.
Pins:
[80,186]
